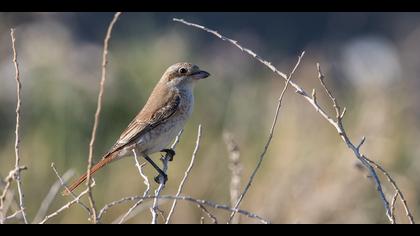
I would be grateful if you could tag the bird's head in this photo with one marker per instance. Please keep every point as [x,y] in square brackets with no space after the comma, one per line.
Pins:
[183,74]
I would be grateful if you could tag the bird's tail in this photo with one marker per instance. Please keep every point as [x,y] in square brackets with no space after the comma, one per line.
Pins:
[106,160]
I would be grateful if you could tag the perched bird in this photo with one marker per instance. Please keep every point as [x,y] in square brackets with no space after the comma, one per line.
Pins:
[157,124]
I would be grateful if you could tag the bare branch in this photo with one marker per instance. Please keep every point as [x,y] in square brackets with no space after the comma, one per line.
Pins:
[45,205]
[18,168]
[97,114]
[396,188]
[185,198]
[12,216]
[146,192]
[208,213]
[361,143]
[394,200]
[236,170]
[66,206]
[337,124]
[8,181]
[270,136]
[234,42]
[155,208]
[187,172]
[63,184]
[165,160]
[356,150]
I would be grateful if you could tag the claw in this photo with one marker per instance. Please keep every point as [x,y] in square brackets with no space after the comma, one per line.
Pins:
[157,179]
[169,152]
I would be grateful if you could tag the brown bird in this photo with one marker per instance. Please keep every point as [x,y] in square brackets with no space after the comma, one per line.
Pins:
[161,119]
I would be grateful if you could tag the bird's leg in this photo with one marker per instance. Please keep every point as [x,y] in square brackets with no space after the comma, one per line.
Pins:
[161,173]
[170,152]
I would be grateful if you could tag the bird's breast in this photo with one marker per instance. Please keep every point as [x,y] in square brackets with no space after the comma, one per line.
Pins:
[161,136]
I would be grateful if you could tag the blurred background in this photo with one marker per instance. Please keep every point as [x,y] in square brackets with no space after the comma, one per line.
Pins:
[371,61]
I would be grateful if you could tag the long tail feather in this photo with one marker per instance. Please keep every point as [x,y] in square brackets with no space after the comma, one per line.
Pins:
[107,159]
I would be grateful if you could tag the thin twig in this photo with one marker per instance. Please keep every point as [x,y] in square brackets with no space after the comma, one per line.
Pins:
[236,170]
[185,198]
[18,168]
[338,124]
[396,188]
[208,213]
[155,207]
[270,136]
[312,101]
[8,182]
[187,172]
[146,191]
[7,197]
[46,203]
[234,42]
[165,160]
[63,184]
[97,114]
[66,206]
[12,216]
[394,200]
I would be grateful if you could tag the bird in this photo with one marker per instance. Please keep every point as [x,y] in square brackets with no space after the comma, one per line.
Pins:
[159,121]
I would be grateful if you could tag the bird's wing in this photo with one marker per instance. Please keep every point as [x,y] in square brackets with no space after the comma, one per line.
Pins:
[148,119]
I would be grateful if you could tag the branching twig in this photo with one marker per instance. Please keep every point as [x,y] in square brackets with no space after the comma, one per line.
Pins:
[270,136]
[97,113]
[396,188]
[146,192]
[187,172]
[185,198]
[66,206]
[236,169]
[12,216]
[18,168]
[8,181]
[165,160]
[207,212]
[45,205]
[337,124]
[63,184]
[394,200]
[155,208]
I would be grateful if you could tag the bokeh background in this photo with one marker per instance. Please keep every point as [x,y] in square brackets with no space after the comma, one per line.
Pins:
[371,60]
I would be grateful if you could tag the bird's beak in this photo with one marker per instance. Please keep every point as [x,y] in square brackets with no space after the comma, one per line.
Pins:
[201,74]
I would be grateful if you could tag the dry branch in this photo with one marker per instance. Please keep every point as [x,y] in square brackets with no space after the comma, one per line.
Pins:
[165,160]
[207,212]
[270,136]
[97,114]
[63,184]
[397,191]
[184,198]
[18,168]
[67,205]
[337,124]
[49,198]
[186,174]
[145,193]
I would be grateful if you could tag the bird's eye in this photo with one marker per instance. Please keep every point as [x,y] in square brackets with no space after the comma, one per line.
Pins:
[182,70]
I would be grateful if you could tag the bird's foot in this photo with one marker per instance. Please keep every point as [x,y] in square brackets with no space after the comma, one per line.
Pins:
[161,176]
[170,152]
